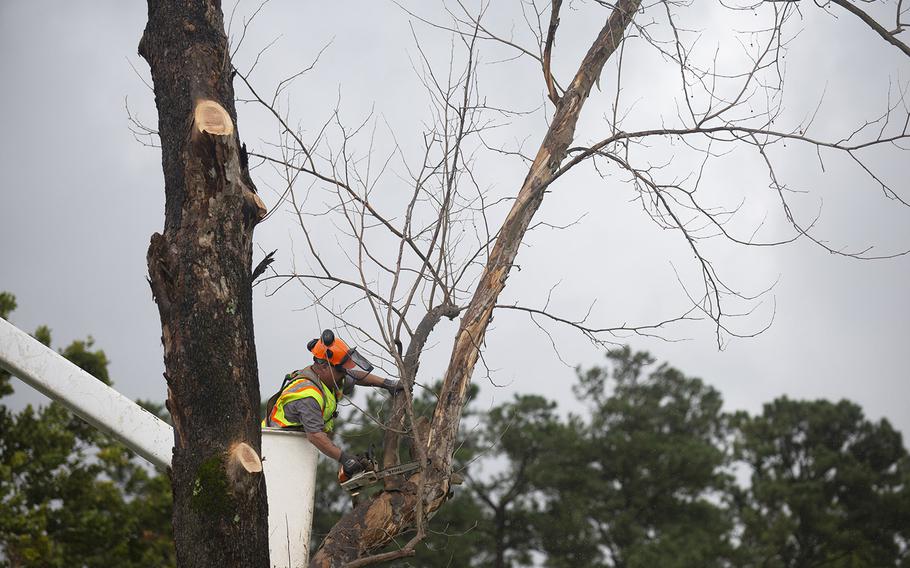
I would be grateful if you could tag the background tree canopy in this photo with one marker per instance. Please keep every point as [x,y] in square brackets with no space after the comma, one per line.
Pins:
[647,470]
[70,496]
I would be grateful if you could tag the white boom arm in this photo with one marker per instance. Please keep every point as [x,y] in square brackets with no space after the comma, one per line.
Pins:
[98,404]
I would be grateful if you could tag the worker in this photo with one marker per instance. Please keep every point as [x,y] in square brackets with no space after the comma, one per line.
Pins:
[308,398]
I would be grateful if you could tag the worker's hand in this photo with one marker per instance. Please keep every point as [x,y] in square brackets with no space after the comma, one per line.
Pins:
[393,386]
[350,465]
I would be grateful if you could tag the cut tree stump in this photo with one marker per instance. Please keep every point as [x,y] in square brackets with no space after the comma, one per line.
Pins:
[211,117]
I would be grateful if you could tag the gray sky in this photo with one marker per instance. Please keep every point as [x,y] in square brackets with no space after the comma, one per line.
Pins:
[80,199]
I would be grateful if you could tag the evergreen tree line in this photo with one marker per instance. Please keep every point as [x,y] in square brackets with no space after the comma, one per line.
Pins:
[648,470]
[69,495]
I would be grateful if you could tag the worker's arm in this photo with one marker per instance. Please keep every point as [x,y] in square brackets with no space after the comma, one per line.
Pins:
[308,413]
[350,464]
[370,380]
[324,444]
[391,385]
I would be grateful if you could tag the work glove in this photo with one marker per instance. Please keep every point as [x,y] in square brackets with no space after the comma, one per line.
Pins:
[393,386]
[350,465]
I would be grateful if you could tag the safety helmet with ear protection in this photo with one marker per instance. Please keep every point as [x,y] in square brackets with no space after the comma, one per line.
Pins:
[337,353]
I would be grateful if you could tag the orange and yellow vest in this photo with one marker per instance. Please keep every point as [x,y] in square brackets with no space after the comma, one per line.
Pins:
[303,384]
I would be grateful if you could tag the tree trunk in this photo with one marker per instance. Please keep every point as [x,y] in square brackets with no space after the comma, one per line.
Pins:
[500,558]
[199,270]
[373,524]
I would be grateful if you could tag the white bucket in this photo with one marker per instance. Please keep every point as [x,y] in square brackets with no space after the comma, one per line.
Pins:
[289,465]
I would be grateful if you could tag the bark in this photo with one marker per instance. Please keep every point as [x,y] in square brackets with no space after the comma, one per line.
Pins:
[396,422]
[199,270]
[373,524]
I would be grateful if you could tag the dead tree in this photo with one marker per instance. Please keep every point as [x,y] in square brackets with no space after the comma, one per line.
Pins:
[199,271]
[200,266]
[436,273]
[373,524]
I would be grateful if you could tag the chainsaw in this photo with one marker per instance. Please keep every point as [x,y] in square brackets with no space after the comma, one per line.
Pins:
[371,475]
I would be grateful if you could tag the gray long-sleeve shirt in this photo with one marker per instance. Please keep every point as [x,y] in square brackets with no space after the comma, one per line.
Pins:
[306,412]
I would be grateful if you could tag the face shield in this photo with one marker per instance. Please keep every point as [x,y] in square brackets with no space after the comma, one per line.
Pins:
[356,365]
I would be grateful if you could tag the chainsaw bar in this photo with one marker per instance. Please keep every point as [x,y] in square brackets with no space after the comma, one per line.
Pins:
[367,478]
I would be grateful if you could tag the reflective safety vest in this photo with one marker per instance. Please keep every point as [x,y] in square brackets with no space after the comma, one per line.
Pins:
[302,384]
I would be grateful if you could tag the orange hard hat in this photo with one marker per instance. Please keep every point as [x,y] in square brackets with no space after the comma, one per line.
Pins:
[330,348]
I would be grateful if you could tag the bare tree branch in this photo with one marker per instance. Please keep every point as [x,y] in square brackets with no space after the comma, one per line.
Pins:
[548,50]
[889,36]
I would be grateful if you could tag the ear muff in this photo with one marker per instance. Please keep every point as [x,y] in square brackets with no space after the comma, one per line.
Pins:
[328,338]
[311,344]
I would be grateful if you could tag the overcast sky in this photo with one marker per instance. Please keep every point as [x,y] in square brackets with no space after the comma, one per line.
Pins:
[80,199]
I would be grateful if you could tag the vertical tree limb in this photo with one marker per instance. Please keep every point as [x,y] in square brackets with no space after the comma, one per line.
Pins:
[548,51]
[477,315]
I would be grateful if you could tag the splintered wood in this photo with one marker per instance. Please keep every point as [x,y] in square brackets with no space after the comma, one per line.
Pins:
[257,203]
[211,117]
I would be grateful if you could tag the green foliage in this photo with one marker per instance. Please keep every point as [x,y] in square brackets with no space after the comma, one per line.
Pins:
[43,335]
[70,496]
[7,304]
[639,476]
[643,478]
[828,487]
[652,452]
[92,362]
[528,435]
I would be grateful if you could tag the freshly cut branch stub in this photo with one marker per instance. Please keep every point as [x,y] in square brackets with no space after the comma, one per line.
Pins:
[243,469]
[245,456]
[211,117]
